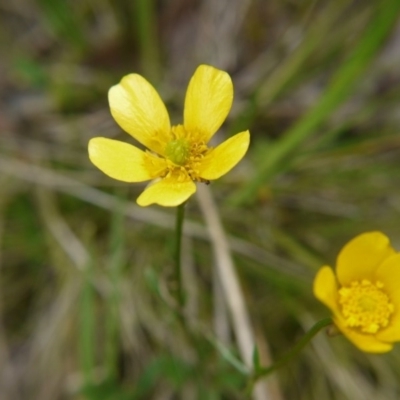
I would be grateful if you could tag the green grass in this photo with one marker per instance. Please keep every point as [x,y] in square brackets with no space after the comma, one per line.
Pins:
[87,307]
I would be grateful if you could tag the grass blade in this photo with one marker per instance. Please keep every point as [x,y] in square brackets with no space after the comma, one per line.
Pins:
[339,89]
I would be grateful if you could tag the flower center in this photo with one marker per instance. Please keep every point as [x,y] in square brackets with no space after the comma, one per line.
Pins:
[365,305]
[178,151]
[184,154]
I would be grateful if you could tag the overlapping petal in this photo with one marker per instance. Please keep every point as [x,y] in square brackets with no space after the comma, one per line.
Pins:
[123,161]
[167,192]
[139,110]
[225,156]
[360,257]
[208,101]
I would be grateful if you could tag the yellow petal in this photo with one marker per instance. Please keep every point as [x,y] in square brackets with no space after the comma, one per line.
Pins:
[392,332]
[224,157]
[123,161]
[208,101]
[360,257]
[365,342]
[389,274]
[326,289]
[139,110]
[167,192]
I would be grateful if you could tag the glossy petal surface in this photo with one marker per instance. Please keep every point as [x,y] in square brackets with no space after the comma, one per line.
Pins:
[139,110]
[225,156]
[123,161]
[167,192]
[365,342]
[208,101]
[326,289]
[369,269]
[360,257]
[389,274]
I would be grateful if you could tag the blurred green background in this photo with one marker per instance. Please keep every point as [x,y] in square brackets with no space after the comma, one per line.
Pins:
[85,273]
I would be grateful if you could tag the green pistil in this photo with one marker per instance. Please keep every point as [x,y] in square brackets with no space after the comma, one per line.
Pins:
[178,151]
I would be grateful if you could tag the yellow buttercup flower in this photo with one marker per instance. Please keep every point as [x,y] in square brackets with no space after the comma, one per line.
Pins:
[364,297]
[179,156]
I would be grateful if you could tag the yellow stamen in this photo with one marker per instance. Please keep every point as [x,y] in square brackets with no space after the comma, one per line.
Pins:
[184,154]
[365,305]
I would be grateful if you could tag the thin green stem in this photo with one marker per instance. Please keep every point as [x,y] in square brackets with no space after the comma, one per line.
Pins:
[180,214]
[293,352]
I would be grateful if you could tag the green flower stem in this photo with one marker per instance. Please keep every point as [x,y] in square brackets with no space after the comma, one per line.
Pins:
[293,352]
[180,214]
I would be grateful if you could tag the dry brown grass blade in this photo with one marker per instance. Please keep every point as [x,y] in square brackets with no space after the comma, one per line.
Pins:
[232,292]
